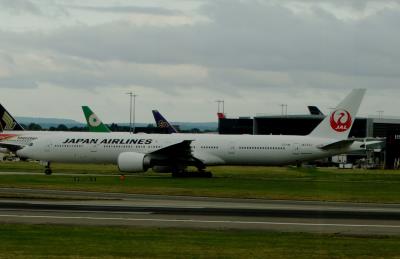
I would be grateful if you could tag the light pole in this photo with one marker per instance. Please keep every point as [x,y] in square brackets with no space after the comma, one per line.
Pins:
[380,113]
[284,109]
[132,102]
[219,104]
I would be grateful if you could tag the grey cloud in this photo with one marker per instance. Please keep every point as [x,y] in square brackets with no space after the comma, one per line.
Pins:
[130,9]
[353,4]
[20,6]
[265,38]
[246,44]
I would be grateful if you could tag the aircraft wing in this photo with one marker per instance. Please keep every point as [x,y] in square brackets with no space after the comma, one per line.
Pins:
[181,150]
[179,154]
[11,146]
[338,144]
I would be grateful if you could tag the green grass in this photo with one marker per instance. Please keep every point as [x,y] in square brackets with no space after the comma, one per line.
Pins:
[238,182]
[40,241]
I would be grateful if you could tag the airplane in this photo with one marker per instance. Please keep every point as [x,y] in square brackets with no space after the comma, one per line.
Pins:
[7,122]
[162,123]
[93,122]
[136,153]
[96,125]
[13,134]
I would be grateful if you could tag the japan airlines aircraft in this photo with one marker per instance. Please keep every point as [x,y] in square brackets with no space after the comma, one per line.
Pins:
[174,152]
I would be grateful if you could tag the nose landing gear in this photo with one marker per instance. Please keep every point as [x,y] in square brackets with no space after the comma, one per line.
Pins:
[47,169]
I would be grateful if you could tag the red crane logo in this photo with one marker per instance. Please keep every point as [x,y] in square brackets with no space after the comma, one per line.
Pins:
[341,120]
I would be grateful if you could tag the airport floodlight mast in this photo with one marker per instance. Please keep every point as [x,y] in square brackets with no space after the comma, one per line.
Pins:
[380,114]
[284,108]
[219,106]
[132,97]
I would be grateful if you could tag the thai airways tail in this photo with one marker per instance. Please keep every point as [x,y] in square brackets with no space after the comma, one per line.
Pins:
[162,123]
[337,125]
[7,121]
[93,122]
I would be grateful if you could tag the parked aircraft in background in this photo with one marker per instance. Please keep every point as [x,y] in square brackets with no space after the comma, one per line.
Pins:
[174,152]
[162,123]
[93,122]
[96,125]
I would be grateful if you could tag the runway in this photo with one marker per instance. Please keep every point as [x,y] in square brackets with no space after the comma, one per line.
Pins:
[118,209]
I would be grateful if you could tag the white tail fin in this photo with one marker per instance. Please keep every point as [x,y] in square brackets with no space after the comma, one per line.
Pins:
[338,124]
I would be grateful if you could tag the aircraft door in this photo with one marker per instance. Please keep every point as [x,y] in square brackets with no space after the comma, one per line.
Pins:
[93,152]
[48,146]
[296,148]
[231,148]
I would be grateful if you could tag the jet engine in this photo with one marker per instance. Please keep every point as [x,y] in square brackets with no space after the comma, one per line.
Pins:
[133,162]
[4,150]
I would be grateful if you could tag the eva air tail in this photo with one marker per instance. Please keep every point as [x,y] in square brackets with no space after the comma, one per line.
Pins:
[93,122]
[338,124]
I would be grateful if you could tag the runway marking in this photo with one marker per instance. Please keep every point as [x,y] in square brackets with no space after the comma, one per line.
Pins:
[207,221]
[81,211]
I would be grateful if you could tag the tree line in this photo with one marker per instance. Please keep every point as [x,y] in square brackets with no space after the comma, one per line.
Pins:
[150,128]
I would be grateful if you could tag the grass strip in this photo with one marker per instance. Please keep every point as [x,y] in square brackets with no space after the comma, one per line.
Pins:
[324,184]
[51,241]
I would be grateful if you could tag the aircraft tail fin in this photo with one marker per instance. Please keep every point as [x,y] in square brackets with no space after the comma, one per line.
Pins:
[163,123]
[7,121]
[221,115]
[338,123]
[93,122]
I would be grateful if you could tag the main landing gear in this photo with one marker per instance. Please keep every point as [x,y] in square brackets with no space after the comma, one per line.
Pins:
[47,169]
[183,173]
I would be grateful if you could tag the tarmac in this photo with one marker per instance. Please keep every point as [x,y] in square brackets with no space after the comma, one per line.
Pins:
[119,209]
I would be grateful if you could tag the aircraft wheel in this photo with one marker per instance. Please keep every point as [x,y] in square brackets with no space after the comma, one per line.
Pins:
[48,171]
[208,174]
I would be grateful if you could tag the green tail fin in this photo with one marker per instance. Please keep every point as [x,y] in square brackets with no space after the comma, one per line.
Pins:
[93,122]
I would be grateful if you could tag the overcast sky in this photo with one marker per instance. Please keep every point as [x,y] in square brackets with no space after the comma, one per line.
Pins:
[179,56]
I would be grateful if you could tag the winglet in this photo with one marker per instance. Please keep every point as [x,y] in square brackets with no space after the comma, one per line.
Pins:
[339,123]
[93,122]
[163,123]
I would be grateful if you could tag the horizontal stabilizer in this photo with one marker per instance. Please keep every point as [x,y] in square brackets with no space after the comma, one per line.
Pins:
[338,144]
[372,144]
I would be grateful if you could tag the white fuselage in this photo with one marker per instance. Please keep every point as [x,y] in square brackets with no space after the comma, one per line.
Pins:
[211,149]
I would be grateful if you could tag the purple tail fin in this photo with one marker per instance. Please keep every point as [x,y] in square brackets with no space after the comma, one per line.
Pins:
[163,123]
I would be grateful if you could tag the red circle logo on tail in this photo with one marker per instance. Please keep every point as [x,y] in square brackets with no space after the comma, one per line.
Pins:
[341,120]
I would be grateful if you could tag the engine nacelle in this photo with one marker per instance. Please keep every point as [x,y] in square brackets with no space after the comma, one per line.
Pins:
[4,150]
[133,162]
